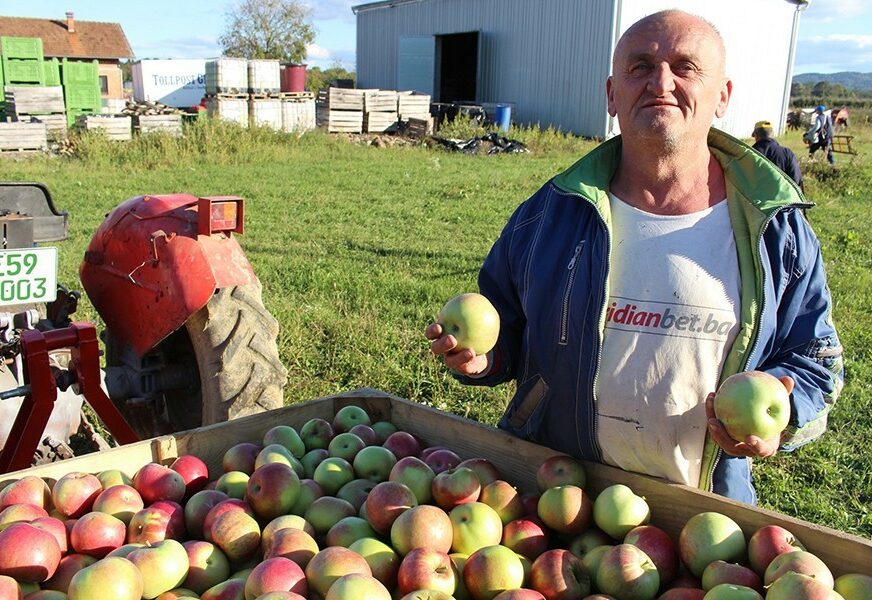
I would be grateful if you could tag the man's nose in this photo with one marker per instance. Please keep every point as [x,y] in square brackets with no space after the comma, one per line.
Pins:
[661,81]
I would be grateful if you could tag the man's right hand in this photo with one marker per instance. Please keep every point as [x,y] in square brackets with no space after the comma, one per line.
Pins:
[464,362]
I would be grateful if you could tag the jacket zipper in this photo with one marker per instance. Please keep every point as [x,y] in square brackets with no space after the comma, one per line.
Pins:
[720,451]
[572,267]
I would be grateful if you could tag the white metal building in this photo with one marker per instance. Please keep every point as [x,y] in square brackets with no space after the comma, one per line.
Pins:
[549,59]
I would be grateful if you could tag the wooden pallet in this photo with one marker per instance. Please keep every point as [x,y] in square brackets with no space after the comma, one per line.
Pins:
[517,460]
[230,95]
[169,124]
[21,100]
[264,95]
[301,96]
[23,137]
[114,127]
[842,144]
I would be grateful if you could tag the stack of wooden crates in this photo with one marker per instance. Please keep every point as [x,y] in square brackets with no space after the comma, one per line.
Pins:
[39,104]
[114,127]
[340,110]
[414,109]
[380,111]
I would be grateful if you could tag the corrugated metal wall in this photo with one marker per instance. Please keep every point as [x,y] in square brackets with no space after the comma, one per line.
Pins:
[549,58]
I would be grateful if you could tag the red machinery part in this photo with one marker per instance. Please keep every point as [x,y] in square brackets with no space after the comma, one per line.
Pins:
[157,260]
[27,431]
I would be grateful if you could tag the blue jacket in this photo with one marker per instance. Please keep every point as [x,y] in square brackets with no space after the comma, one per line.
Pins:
[548,276]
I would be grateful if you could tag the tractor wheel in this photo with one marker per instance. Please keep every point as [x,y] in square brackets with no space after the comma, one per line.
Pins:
[229,345]
[234,341]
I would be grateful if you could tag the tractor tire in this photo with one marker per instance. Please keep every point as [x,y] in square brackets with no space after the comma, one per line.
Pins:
[233,339]
[230,346]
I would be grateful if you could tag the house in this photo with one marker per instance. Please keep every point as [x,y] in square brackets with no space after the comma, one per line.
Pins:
[549,59]
[78,40]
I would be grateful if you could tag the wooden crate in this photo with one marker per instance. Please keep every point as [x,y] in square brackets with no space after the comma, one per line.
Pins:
[342,98]
[411,105]
[55,125]
[169,124]
[21,136]
[114,127]
[380,101]
[347,121]
[419,127]
[671,505]
[380,122]
[21,100]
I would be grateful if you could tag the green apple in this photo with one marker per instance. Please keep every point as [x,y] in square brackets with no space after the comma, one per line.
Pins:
[349,416]
[348,530]
[732,591]
[330,564]
[472,320]
[617,510]
[492,570]
[566,509]
[356,586]
[752,403]
[374,463]
[288,437]
[233,483]
[112,577]
[327,511]
[381,558]
[474,525]
[791,586]
[332,473]
[707,537]
[164,566]
[207,566]
[854,586]
[416,475]
[346,445]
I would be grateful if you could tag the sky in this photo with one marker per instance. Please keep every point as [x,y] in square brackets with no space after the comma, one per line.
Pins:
[834,35]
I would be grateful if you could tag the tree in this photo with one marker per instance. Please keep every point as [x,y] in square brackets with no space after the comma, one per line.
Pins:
[268,29]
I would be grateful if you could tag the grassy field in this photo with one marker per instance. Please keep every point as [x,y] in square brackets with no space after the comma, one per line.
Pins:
[359,246]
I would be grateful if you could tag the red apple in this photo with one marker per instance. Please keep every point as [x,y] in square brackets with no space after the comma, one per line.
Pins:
[332,563]
[559,575]
[27,490]
[768,542]
[441,459]
[27,553]
[284,522]
[194,473]
[718,572]
[526,537]
[659,547]
[68,566]
[240,457]
[504,498]
[327,511]
[221,508]
[293,544]
[160,521]
[425,568]
[798,561]
[485,469]
[525,594]
[402,444]
[197,507]
[276,575]
[9,588]
[387,501]
[683,593]
[627,572]
[272,490]
[237,534]
[232,589]
[74,494]
[20,513]
[455,486]
[366,433]
[560,470]
[55,527]
[112,577]
[156,482]
[492,570]
[423,526]
[120,501]
[566,509]
[97,534]
[207,566]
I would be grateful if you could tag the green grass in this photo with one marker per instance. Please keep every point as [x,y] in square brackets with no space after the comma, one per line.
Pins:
[358,248]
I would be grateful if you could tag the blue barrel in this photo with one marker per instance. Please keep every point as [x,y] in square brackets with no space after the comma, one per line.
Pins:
[503,117]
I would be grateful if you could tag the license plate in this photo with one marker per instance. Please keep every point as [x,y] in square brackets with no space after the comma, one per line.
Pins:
[28,275]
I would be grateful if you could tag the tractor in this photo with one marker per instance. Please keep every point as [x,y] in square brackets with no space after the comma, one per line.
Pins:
[187,340]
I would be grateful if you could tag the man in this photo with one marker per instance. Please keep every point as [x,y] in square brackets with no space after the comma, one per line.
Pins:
[820,134]
[663,261]
[781,157]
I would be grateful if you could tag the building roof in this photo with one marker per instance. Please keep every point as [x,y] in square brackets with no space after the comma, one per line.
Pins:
[380,4]
[91,39]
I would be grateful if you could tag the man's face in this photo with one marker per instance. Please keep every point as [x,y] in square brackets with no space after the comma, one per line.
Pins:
[668,80]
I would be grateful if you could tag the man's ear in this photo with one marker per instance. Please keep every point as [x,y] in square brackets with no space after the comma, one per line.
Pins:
[610,97]
[724,101]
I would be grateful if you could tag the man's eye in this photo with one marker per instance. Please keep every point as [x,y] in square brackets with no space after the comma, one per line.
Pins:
[639,68]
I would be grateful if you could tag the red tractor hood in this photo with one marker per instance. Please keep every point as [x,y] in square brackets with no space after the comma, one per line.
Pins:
[147,270]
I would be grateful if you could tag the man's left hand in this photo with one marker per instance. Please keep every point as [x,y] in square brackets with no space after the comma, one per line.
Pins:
[752,446]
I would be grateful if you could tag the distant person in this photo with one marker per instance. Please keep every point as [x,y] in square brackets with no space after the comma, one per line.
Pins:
[782,157]
[820,134]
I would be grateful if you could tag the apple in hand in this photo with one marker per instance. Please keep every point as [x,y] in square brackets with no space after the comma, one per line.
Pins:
[472,320]
[752,403]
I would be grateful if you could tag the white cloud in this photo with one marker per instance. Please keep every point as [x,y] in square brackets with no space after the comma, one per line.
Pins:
[316,52]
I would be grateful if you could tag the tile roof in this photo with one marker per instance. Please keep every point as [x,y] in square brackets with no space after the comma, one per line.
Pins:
[91,39]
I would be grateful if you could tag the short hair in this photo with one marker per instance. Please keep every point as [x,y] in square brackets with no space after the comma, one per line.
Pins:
[762,132]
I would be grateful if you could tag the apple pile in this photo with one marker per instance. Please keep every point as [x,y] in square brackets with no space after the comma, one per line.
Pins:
[355,510]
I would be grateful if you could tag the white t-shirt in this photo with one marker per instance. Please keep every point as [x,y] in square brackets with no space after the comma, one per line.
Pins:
[672,315]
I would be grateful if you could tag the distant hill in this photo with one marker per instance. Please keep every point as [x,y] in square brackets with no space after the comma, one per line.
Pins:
[850,79]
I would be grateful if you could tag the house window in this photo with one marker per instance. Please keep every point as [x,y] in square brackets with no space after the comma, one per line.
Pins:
[104,84]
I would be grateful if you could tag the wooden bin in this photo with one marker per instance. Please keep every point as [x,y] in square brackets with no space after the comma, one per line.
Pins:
[115,127]
[671,505]
[22,136]
[169,124]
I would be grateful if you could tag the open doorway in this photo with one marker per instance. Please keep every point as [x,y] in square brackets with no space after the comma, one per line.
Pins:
[457,67]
